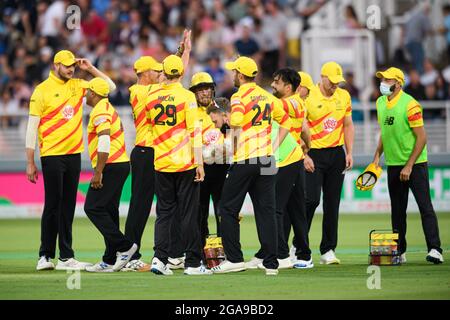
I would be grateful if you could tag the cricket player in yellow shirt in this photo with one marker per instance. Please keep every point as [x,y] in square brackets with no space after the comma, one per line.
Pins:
[111,168]
[172,112]
[55,118]
[148,72]
[253,169]
[329,116]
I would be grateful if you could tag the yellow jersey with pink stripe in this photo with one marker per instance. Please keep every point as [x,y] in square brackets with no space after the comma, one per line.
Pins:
[104,117]
[138,96]
[59,104]
[326,115]
[172,113]
[252,109]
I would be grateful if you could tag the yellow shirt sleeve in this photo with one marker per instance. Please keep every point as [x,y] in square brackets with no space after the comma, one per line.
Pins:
[37,103]
[280,116]
[237,111]
[415,114]
[348,104]
[101,119]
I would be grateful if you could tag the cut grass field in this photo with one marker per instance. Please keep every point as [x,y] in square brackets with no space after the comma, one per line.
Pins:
[418,279]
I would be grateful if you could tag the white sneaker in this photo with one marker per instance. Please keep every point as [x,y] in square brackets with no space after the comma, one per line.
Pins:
[72,264]
[175,263]
[136,265]
[292,252]
[253,264]
[285,263]
[100,267]
[303,264]
[329,258]
[435,257]
[199,271]
[227,267]
[271,272]
[403,258]
[123,257]
[45,263]
[158,267]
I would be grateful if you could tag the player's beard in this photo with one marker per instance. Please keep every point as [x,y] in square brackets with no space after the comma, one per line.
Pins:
[277,94]
[62,76]
[236,81]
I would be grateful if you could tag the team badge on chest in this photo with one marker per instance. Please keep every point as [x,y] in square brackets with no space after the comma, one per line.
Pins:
[68,112]
[329,124]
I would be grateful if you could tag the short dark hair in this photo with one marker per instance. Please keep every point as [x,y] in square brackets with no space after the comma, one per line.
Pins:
[248,79]
[220,105]
[288,76]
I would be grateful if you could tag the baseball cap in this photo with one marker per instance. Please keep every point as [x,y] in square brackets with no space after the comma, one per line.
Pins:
[146,63]
[306,80]
[392,73]
[65,57]
[333,71]
[98,85]
[244,65]
[173,65]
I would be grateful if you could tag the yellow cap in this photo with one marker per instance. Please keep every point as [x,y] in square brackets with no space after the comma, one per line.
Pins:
[173,65]
[244,65]
[392,73]
[333,71]
[306,80]
[65,57]
[367,180]
[201,78]
[146,63]
[99,86]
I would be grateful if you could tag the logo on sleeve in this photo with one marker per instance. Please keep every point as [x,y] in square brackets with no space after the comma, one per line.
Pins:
[99,120]
[329,124]
[68,112]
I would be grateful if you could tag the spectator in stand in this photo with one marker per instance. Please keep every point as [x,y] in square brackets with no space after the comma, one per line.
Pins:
[441,88]
[351,19]
[245,45]
[351,87]
[417,28]
[415,88]
[215,70]
[446,28]
[8,107]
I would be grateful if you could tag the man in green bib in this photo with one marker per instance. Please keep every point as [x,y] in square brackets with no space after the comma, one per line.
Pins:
[403,141]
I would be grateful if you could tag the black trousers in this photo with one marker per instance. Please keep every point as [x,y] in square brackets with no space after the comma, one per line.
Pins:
[61,176]
[290,204]
[398,192]
[102,208]
[211,187]
[329,165]
[142,192]
[178,198]
[256,178]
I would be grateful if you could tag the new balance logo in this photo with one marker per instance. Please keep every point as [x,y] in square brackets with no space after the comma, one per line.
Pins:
[389,121]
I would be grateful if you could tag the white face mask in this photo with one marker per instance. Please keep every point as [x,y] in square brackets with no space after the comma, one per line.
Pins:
[386,89]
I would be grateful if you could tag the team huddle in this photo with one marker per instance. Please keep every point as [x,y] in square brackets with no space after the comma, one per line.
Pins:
[283,149]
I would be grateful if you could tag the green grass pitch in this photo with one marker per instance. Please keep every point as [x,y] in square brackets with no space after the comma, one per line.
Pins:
[19,242]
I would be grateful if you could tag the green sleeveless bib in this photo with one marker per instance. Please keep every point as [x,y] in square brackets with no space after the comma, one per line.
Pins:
[398,138]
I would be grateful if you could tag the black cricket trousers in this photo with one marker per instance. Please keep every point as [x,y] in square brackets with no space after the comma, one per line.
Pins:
[420,186]
[142,192]
[290,204]
[102,208]
[328,176]
[211,187]
[257,177]
[178,198]
[61,176]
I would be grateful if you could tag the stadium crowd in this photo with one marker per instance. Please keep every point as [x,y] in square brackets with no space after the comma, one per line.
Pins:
[113,34]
